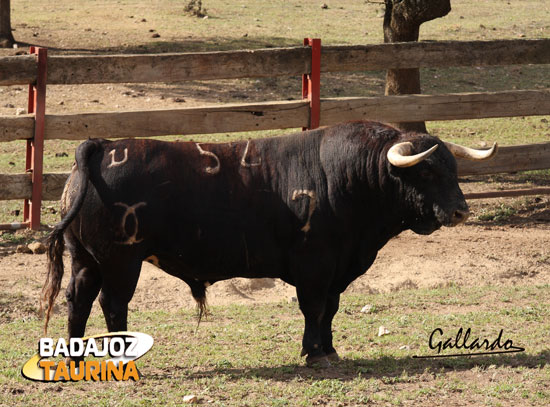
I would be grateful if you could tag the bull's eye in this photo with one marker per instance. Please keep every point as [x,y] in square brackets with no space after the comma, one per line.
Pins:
[426,175]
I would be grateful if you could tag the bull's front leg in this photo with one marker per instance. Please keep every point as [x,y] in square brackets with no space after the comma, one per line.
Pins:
[312,305]
[312,269]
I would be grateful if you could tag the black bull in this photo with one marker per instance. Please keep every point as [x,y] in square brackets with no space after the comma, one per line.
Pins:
[312,209]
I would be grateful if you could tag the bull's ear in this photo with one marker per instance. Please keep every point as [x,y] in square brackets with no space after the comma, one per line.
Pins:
[399,155]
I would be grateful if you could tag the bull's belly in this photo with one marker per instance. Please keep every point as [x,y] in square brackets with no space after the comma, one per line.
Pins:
[222,253]
[208,270]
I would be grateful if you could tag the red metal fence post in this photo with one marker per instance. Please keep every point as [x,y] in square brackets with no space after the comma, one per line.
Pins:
[311,83]
[28,160]
[35,146]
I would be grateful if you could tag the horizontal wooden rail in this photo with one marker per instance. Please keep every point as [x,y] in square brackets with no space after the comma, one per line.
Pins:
[18,70]
[291,61]
[16,127]
[456,106]
[508,193]
[19,186]
[14,225]
[434,54]
[78,69]
[509,159]
[279,115]
[199,120]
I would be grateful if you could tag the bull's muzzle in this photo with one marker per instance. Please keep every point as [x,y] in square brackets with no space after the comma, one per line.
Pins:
[459,216]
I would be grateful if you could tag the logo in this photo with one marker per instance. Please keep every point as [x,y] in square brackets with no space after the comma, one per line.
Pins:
[476,346]
[124,348]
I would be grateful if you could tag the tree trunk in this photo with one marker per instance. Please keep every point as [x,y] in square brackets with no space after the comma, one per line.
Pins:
[402,22]
[6,36]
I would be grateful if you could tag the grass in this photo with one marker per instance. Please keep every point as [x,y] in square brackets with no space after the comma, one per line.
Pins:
[119,25]
[10,238]
[246,355]
[498,214]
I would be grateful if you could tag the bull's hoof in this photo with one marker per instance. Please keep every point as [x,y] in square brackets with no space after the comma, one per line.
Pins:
[318,361]
[333,357]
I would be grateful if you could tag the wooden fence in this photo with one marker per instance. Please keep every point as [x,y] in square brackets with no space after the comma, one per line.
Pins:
[273,62]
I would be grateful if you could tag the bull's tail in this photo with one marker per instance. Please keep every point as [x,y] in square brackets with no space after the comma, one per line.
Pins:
[56,242]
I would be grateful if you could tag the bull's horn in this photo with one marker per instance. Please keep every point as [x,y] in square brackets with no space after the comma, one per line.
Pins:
[399,156]
[470,153]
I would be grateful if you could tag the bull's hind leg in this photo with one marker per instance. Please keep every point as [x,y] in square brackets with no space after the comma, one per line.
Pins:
[120,279]
[83,287]
[331,307]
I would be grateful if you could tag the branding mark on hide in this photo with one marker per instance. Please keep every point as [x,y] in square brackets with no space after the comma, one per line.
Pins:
[209,170]
[243,160]
[114,162]
[130,210]
[312,204]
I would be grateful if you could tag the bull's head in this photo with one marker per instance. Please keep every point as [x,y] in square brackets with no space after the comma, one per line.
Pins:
[426,171]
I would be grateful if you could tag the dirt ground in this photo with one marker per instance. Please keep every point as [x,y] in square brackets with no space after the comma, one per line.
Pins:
[514,251]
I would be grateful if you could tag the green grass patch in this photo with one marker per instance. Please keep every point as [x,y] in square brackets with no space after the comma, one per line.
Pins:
[499,214]
[249,355]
